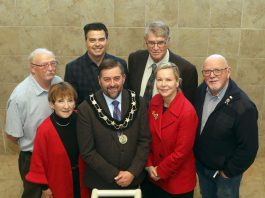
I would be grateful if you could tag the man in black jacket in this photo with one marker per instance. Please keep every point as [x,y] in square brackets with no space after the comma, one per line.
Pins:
[141,63]
[227,137]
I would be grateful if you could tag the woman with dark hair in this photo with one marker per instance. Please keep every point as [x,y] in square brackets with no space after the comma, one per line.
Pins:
[55,163]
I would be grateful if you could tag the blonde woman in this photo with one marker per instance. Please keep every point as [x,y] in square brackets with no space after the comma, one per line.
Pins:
[173,122]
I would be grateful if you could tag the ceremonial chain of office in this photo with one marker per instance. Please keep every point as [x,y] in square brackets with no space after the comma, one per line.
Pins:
[108,120]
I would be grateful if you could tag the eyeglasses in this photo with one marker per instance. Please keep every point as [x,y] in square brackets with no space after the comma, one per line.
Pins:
[158,43]
[216,72]
[47,64]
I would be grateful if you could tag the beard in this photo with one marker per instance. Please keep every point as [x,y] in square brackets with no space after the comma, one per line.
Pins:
[113,92]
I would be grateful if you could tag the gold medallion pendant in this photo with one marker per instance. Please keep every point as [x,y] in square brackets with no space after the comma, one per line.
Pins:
[123,139]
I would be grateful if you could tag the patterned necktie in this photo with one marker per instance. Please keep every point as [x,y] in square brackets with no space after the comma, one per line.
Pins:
[148,93]
[116,110]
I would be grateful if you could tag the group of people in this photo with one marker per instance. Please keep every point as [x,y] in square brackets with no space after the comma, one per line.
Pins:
[147,125]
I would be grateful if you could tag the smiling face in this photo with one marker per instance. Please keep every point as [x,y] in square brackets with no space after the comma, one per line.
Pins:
[96,43]
[157,46]
[167,84]
[63,106]
[215,82]
[111,81]
[62,97]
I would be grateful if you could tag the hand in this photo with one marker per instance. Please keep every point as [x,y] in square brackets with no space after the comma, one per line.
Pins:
[222,174]
[153,173]
[47,193]
[124,178]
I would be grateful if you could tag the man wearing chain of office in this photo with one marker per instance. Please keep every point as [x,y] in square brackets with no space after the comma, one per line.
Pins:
[113,132]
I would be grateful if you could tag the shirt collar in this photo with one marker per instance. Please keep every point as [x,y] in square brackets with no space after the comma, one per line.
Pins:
[220,94]
[36,87]
[150,61]
[110,100]
[106,55]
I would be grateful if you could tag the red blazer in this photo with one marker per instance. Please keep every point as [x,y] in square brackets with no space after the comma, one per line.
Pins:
[173,134]
[50,163]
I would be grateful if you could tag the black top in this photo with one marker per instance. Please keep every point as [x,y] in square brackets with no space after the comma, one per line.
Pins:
[164,108]
[66,128]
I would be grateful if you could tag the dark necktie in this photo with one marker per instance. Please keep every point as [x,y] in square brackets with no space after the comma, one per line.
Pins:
[116,110]
[150,85]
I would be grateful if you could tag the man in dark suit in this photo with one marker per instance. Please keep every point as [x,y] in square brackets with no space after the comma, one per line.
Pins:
[113,132]
[82,72]
[141,62]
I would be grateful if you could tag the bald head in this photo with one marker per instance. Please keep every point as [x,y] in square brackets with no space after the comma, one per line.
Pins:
[216,58]
[216,73]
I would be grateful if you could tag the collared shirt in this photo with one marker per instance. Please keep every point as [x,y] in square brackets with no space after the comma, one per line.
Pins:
[82,73]
[210,102]
[27,107]
[148,71]
[109,102]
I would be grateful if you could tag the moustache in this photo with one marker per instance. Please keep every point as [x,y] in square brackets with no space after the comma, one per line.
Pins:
[113,87]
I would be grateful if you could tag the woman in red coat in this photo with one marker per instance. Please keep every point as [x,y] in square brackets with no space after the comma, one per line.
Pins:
[55,162]
[173,122]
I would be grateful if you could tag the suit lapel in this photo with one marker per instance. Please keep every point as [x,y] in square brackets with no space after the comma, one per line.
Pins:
[173,111]
[125,105]
[103,102]
[168,119]
[201,100]
[105,108]
[141,63]
[157,115]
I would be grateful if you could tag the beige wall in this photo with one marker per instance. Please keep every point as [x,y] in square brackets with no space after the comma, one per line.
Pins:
[234,28]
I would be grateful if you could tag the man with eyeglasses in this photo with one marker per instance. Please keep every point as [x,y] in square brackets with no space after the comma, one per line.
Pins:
[27,107]
[82,72]
[142,63]
[227,136]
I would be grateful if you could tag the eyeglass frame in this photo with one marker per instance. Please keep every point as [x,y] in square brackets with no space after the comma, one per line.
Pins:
[159,44]
[47,64]
[219,71]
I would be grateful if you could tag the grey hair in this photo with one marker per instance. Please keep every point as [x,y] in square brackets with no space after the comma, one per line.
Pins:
[158,28]
[39,51]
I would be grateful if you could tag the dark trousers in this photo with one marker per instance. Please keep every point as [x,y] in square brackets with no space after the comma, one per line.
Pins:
[76,183]
[150,190]
[31,190]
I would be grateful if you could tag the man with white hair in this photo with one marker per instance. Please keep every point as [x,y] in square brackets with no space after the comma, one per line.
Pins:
[27,107]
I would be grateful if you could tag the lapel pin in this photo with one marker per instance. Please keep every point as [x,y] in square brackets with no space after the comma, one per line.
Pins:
[228,100]
[155,115]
